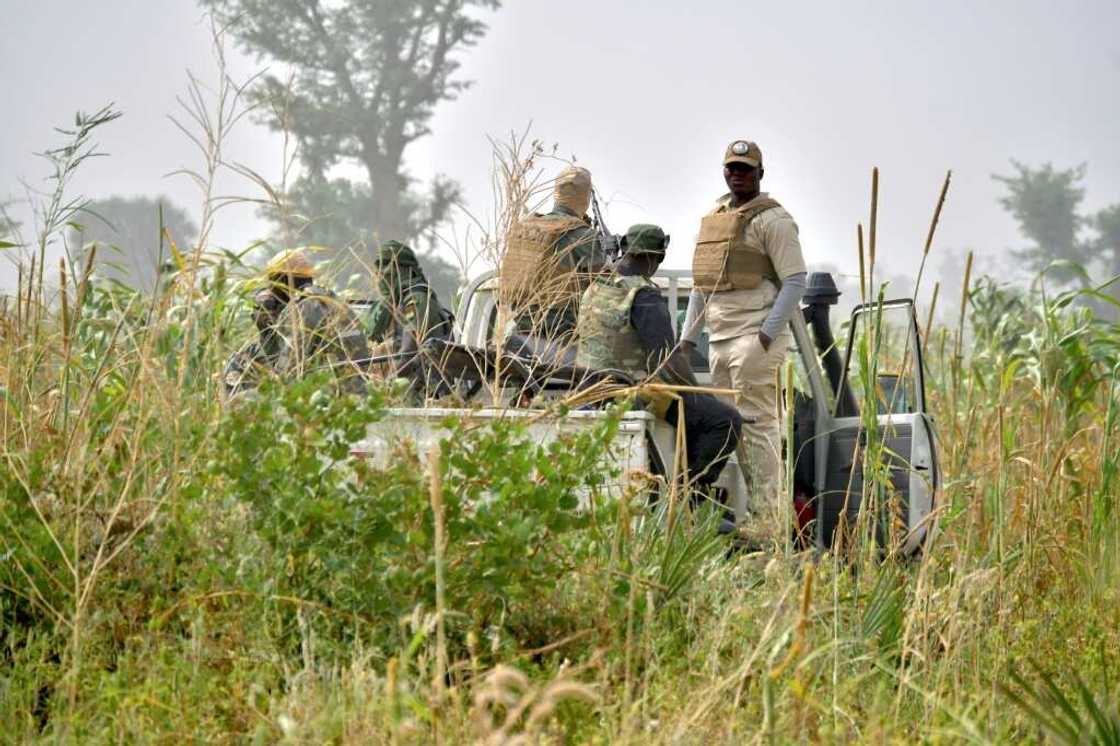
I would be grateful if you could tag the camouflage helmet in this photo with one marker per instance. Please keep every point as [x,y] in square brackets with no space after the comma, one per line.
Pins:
[395,254]
[645,238]
[292,263]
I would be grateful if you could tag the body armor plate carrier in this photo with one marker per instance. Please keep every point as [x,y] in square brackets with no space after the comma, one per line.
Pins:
[723,260]
[532,271]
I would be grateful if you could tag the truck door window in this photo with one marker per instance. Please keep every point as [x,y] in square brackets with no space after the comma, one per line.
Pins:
[884,360]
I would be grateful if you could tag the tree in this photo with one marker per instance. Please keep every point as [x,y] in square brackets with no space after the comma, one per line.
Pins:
[1044,201]
[127,231]
[366,77]
[1106,244]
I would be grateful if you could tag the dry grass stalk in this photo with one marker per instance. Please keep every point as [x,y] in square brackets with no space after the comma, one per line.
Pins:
[509,711]
[436,493]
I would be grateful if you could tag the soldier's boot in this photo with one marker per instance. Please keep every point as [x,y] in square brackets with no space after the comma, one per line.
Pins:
[716,497]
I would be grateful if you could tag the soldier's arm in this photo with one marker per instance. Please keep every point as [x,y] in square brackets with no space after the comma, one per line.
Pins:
[780,237]
[785,305]
[650,318]
[242,369]
[693,325]
[377,321]
[583,250]
[427,311]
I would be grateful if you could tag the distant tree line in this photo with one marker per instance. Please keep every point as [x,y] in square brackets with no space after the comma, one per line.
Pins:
[9,227]
[127,233]
[1046,203]
[132,249]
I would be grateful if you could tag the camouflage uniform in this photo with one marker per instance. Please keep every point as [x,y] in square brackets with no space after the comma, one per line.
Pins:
[624,324]
[301,327]
[318,330]
[607,339]
[247,367]
[257,358]
[407,302]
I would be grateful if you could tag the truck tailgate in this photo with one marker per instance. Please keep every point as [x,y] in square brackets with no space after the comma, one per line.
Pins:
[422,428]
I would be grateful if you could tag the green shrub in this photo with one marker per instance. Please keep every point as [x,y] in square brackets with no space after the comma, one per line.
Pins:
[356,543]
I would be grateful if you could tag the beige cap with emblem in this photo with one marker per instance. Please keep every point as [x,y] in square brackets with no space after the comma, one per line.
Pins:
[743,151]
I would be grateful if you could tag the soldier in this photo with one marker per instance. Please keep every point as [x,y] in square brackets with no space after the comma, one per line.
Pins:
[304,327]
[548,261]
[408,311]
[257,357]
[624,324]
[748,277]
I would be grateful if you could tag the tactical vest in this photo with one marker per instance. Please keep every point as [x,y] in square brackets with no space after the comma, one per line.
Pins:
[723,259]
[532,271]
[606,337]
[321,331]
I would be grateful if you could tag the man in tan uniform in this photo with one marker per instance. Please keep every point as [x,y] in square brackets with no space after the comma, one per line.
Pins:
[748,279]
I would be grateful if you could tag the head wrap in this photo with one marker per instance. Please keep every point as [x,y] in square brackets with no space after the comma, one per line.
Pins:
[573,189]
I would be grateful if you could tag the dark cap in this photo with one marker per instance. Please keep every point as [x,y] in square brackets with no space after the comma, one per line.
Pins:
[645,238]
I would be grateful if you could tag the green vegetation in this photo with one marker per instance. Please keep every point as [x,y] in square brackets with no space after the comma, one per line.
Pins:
[177,569]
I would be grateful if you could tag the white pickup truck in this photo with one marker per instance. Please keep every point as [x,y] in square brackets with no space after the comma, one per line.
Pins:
[828,432]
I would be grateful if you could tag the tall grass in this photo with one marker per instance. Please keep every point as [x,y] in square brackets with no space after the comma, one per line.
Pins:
[172,568]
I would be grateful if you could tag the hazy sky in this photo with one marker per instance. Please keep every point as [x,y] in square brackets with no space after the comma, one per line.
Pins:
[647,95]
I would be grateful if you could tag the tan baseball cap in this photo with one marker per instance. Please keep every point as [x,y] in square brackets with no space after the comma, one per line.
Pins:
[743,151]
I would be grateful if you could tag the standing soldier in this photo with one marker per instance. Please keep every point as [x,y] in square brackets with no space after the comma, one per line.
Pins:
[547,263]
[624,324]
[748,277]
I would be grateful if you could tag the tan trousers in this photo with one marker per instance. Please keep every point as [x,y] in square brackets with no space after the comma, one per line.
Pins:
[742,364]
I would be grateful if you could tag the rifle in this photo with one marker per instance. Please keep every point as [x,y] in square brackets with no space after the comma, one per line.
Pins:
[609,241]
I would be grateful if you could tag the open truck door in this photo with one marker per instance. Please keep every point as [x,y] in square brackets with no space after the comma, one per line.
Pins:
[883,370]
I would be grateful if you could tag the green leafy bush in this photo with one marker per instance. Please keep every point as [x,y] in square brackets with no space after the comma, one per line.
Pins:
[357,543]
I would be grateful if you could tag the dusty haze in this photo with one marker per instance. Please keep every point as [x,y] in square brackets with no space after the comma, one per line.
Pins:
[647,96]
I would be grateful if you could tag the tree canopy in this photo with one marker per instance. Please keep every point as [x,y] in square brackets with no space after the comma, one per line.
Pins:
[366,76]
[1106,244]
[9,226]
[1044,202]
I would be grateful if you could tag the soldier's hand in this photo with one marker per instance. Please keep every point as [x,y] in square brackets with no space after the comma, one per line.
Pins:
[765,341]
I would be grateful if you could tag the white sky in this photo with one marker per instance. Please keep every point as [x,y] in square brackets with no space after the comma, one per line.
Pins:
[647,95]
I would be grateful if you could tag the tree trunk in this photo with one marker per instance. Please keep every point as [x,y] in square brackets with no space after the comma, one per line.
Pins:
[388,216]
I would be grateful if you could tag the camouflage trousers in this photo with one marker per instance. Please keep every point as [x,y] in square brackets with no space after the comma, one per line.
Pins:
[743,365]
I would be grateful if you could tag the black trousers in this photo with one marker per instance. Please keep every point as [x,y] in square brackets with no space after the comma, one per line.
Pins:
[711,430]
